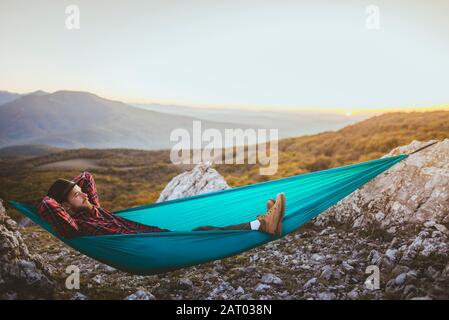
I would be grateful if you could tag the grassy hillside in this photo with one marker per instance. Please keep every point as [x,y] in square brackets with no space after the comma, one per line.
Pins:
[365,140]
[132,177]
[29,150]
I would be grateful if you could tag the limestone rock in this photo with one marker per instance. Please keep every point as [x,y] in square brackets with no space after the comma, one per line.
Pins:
[26,222]
[201,179]
[270,278]
[79,296]
[413,191]
[140,294]
[22,275]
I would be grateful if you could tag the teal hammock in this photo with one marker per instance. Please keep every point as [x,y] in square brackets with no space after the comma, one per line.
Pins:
[307,196]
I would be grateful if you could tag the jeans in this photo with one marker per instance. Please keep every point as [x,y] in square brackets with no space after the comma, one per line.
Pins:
[242,226]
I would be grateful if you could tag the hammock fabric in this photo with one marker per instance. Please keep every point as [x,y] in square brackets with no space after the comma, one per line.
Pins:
[307,196]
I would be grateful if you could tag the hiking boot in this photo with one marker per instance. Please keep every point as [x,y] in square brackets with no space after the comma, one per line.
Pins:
[271,222]
[270,204]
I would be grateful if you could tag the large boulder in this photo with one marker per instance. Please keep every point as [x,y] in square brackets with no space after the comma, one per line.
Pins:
[202,179]
[413,191]
[22,275]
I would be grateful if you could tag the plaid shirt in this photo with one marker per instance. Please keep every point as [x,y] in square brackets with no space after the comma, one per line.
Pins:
[97,221]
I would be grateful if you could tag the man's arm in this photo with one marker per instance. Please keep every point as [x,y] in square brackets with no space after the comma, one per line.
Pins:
[55,214]
[86,182]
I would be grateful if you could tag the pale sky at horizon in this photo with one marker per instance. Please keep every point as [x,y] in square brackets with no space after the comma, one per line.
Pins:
[315,55]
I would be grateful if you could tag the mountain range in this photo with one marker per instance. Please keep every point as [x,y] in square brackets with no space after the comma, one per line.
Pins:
[72,119]
[290,123]
[6,96]
[69,119]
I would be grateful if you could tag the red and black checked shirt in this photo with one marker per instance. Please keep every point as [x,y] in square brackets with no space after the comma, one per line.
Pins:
[97,221]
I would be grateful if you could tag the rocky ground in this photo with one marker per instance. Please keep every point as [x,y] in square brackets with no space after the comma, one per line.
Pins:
[314,263]
[401,230]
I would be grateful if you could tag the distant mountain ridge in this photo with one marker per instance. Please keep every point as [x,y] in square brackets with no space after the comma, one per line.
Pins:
[6,96]
[70,119]
[290,124]
[30,150]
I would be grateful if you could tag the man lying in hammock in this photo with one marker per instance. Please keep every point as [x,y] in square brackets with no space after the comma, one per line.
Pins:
[73,209]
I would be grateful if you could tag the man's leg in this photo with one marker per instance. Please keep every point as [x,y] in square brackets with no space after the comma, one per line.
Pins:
[271,222]
[242,226]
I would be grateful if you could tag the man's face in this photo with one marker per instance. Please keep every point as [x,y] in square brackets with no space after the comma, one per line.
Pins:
[77,200]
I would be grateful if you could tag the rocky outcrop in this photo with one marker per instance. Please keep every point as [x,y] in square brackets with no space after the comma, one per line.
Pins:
[413,191]
[202,179]
[22,275]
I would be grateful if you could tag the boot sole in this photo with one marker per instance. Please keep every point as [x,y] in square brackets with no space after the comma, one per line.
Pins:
[279,226]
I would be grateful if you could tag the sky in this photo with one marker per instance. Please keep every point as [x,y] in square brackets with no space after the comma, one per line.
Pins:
[295,55]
